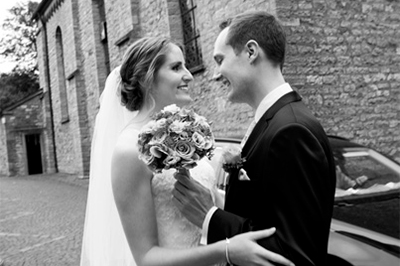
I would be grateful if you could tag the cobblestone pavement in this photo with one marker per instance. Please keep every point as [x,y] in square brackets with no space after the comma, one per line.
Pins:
[41,220]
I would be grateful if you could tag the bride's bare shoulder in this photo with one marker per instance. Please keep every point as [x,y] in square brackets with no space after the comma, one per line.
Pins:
[125,158]
[128,140]
[126,147]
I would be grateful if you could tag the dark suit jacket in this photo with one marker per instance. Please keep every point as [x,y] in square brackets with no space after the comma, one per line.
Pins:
[292,186]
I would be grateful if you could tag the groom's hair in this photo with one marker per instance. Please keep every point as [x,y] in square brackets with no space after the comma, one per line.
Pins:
[261,27]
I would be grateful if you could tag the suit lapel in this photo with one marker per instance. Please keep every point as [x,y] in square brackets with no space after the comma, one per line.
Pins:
[263,122]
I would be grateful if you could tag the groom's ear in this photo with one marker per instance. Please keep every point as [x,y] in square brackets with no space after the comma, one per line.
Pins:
[252,50]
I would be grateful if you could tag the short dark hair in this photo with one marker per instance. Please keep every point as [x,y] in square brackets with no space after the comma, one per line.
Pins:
[261,27]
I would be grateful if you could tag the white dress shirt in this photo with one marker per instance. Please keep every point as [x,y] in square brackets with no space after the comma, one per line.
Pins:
[264,105]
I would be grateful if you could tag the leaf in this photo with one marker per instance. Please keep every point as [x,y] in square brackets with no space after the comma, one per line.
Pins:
[18,44]
[15,86]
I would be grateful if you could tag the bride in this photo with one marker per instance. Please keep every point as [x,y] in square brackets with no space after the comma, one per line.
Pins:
[130,217]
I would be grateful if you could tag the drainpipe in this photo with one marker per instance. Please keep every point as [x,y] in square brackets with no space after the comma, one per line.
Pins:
[47,74]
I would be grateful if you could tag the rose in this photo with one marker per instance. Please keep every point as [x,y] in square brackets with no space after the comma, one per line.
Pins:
[158,151]
[209,143]
[186,113]
[201,121]
[231,154]
[198,140]
[161,123]
[158,138]
[232,158]
[177,126]
[171,108]
[184,136]
[171,160]
[190,163]
[184,150]
[149,127]
[146,156]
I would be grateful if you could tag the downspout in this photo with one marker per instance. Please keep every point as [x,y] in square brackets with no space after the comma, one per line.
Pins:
[47,74]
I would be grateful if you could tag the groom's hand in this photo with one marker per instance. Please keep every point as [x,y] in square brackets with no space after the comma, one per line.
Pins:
[192,199]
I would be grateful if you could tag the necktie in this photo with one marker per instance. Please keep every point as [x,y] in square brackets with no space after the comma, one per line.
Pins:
[249,130]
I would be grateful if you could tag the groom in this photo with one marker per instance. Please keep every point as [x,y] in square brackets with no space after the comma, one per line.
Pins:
[288,178]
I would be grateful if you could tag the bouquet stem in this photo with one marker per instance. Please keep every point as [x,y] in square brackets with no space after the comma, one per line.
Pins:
[183,171]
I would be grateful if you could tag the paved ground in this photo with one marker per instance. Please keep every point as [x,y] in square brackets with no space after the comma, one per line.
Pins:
[41,220]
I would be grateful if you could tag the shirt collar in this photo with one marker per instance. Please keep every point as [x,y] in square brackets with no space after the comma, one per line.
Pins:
[270,99]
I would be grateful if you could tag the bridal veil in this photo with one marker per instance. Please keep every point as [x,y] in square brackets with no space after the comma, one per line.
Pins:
[104,242]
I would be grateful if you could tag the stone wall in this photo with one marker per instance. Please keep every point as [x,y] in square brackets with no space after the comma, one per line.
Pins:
[17,122]
[3,149]
[343,57]
[72,137]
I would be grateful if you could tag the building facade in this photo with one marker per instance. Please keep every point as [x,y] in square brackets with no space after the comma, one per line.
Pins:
[343,58]
[25,138]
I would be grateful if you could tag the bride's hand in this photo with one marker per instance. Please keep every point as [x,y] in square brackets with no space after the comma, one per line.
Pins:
[244,250]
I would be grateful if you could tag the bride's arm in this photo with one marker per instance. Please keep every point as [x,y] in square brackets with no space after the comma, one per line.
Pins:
[131,183]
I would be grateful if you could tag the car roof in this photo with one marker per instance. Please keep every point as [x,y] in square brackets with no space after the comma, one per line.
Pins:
[335,141]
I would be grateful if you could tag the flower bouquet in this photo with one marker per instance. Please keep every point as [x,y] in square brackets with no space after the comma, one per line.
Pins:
[175,138]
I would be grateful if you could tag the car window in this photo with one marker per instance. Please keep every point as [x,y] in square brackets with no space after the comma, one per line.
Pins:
[359,171]
[362,171]
[216,162]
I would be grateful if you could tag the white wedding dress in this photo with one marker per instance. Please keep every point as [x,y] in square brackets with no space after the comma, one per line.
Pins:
[174,230]
[104,242]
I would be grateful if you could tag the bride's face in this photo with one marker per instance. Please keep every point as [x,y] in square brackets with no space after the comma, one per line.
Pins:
[172,79]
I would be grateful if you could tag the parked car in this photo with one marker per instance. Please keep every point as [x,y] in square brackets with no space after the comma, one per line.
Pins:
[365,224]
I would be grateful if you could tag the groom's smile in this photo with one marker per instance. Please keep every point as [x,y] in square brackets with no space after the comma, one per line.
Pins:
[183,88]
[231,67]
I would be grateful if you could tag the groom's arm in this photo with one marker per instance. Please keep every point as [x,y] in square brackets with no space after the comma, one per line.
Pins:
[206,224]
[226,225]
[301,207]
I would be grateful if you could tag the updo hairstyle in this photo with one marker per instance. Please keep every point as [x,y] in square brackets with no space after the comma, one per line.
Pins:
[140,64]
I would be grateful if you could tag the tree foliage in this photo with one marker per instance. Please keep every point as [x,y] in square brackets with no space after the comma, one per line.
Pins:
[19,45]
[19,42]
[15,86]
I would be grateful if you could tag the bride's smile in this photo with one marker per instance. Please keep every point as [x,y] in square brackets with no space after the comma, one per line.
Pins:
[172,79]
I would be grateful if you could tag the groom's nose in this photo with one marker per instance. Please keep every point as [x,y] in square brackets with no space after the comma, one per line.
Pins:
[217,75]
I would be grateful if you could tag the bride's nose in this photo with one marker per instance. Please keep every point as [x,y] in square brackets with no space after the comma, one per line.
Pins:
[187,77]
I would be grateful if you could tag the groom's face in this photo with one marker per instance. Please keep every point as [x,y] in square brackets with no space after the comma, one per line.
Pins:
[231,68]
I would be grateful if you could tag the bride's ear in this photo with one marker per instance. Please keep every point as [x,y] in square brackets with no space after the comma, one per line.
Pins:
[252,50]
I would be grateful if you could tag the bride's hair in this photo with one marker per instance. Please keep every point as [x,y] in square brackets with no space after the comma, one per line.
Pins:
[140,64]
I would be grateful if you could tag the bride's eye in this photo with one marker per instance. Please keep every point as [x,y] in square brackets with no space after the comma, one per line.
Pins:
[176,67]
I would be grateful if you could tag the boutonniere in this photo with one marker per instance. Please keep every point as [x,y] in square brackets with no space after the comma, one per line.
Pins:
[232,158]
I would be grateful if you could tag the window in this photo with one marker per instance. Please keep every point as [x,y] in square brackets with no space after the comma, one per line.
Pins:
[194,59]
[61,77]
